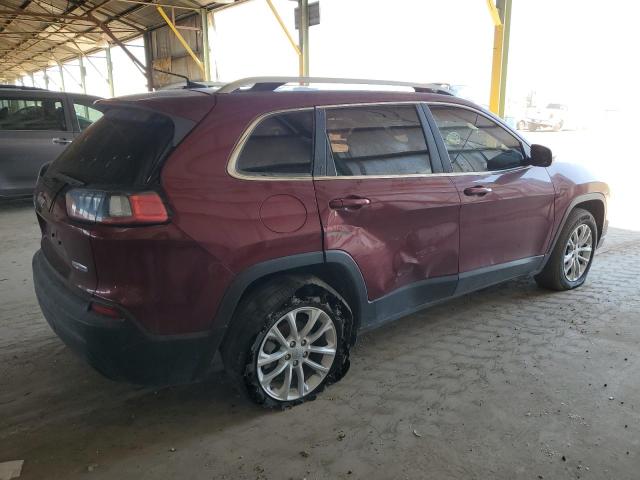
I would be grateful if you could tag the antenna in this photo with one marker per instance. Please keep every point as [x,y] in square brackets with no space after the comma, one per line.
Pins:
[189,83]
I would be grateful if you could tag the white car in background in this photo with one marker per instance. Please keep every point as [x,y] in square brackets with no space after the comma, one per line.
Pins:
[554,116]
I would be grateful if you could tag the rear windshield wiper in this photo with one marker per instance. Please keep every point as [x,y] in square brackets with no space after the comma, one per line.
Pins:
[68,179]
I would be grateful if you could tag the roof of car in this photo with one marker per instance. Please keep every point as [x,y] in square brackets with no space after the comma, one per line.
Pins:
[19,89]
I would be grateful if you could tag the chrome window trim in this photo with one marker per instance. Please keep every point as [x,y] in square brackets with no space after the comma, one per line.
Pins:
[237,150]
[424,175]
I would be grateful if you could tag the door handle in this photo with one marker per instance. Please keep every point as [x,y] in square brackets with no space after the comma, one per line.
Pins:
[349,203]
[478,191]
[61,141]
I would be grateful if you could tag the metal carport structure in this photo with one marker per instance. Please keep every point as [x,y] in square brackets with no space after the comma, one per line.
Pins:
[38,34]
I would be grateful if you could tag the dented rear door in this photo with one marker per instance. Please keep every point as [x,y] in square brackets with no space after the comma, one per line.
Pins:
[381,200]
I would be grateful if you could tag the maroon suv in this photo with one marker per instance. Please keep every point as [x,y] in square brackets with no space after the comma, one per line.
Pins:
[274,225]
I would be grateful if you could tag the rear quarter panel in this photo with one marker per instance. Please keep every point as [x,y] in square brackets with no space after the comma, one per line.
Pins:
[226,215]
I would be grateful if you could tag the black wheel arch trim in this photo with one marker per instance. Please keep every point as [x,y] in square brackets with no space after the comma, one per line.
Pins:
[586,197]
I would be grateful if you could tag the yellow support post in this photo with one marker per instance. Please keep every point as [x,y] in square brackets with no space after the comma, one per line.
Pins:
[496,64]
[181,39]
[496,69]
[288,35]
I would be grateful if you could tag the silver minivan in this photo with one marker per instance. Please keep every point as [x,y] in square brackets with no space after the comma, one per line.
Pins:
[35,127]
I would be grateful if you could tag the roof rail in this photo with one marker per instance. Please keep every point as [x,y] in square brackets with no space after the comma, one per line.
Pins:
[19,87]
[261,84]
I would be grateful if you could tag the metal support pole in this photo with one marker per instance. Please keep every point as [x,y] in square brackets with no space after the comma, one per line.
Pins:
[506,22]
[61,70]
[83,74]
[288,35]
[46,79]
[107,51]
[205,44]
[33,80]
[303,37]
[148,60]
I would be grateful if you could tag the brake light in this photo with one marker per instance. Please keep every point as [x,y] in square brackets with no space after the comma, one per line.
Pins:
[98,206]
[105,310]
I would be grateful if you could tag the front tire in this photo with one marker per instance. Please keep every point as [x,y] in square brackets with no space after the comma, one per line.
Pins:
[288,341]
[572,256]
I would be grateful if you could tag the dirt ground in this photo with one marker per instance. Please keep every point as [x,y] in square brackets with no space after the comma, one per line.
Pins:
[510,382]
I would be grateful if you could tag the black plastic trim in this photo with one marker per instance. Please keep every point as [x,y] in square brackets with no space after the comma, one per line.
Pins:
[320,144]
[443,154]
[243,280]
[487,276]
[118,348]
[586,197]
[399,303]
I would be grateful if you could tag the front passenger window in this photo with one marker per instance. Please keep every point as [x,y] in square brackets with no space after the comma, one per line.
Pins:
[476,143]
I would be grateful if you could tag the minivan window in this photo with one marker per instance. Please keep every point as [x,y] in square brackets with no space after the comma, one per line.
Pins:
[280,145]
[121,148]
[476,143]
[377,140]
[86,115]
[32,114]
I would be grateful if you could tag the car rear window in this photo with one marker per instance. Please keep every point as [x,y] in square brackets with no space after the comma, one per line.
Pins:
[121,148]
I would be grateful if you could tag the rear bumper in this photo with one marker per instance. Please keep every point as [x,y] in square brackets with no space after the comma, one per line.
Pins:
[118,348]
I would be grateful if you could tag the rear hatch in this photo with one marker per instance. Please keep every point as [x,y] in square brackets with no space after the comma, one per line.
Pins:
[120,154]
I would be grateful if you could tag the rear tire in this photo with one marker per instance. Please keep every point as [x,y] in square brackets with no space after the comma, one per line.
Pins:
[572,256]
[268,351]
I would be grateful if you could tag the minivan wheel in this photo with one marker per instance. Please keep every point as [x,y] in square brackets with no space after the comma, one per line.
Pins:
[573,253]
[289,343]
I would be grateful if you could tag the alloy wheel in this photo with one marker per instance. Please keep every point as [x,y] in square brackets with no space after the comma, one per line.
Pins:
[577,253]
[297,353]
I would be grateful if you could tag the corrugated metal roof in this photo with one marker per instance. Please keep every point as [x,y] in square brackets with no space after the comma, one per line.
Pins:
[35,34]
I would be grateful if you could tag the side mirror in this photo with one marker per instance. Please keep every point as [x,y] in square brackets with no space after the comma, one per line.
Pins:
[541,156]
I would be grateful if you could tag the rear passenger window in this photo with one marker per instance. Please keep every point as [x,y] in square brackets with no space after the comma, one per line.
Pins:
[280,145]
[32,114]
[377,140]
[475,143]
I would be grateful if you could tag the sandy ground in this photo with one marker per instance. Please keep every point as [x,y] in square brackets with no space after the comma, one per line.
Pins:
[510,382]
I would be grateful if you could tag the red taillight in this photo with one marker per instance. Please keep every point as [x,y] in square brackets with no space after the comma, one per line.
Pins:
[148,207]
[104,310]
[115,208]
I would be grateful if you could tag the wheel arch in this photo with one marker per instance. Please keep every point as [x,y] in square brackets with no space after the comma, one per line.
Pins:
[336,269]
[595,204]
[597,208]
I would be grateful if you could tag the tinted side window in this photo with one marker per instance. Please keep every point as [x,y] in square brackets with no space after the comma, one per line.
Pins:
[377,140]
[32,114]
[86,115]
[476,143]
[280,145]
